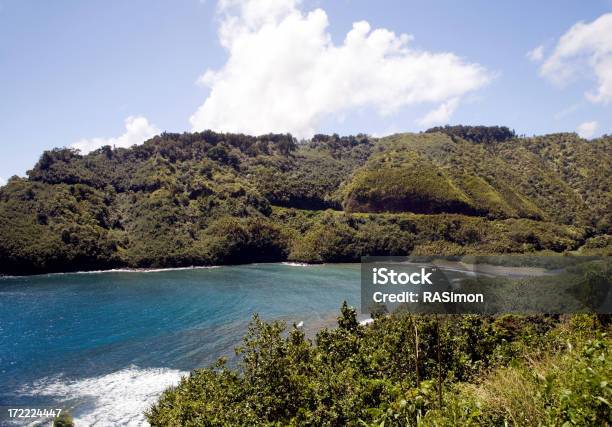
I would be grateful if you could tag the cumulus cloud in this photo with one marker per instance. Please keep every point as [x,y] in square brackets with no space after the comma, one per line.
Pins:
[584,50]
[536,54]
[440,115]
[137,130]
[285,74]
[587,129]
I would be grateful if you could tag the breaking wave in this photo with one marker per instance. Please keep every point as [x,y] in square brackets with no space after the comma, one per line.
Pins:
[116,399]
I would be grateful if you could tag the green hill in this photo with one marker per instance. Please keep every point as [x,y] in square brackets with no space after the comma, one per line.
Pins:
[210,198]
[429,173]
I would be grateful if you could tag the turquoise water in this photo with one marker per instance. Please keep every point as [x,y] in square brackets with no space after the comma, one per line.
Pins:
[106,344]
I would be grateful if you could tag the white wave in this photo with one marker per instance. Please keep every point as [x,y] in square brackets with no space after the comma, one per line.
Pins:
[155,270]
[366,321]
[119,270]
[118,399]
[296,264]
[140,270]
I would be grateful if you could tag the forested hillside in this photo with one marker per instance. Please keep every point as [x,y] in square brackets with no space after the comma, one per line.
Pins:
[210,198]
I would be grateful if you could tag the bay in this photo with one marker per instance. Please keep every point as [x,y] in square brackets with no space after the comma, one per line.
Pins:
[105,344]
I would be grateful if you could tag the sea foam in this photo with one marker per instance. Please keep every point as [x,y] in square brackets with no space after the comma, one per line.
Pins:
[116,399]
[296,264]
[115,270]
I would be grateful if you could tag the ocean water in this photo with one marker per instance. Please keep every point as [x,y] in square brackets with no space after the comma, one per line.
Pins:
[104,345]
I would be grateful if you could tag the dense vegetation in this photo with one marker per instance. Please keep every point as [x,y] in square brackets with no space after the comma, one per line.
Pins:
[210,198]
[478,134]
[405,370]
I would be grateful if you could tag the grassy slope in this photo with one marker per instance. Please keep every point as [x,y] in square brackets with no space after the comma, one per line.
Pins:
[500,182]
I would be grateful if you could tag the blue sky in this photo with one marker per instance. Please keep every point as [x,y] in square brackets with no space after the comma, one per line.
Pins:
[73,71]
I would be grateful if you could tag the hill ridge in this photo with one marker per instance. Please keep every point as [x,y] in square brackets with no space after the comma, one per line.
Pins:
[213,198]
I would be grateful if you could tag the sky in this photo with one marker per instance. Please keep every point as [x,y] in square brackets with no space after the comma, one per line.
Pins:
[86,74]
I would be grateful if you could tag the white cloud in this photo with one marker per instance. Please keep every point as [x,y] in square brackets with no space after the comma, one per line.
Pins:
[587,129]
[137,130]
[584,50]
[536,54]
[285,74]
[2,181]
[440,115]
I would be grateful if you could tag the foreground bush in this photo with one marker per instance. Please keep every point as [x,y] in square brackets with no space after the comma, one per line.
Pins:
[403,370]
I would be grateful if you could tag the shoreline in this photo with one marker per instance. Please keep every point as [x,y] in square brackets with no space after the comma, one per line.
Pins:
[161,269]
[483,269]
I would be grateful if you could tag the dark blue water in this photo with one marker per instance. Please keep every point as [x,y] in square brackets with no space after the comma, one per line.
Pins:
[104,345]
